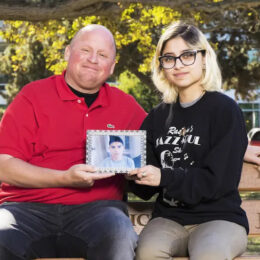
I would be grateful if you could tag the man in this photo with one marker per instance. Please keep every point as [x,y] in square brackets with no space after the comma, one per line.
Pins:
[52,204]
[117,158]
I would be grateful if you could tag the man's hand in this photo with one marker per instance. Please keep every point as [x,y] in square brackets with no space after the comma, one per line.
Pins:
[147,175]
[82,175]
[252,154]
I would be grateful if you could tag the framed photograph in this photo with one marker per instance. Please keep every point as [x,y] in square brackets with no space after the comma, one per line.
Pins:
[117,151]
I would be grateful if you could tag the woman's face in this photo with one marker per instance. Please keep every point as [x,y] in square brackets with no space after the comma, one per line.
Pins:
[180,75]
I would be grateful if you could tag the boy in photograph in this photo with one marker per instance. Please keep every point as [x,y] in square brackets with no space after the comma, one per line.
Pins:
[117,159]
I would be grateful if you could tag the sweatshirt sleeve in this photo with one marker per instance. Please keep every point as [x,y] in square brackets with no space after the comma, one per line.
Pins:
[143,191]
[220,171]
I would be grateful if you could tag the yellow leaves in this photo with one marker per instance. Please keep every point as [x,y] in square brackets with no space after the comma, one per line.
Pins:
[139,25]
[89,20]
[58,45]
[159,15]
[137,29]
[76,24]
[150,16]
[80,22]
[143,26]
[215,45]
[17,58]
[15,67]
[61,30]
[119,39]
[126,14]
[16,24]
[52,35]
[14,58]
[58,67]
[198,18]
[145,67]
[31,30]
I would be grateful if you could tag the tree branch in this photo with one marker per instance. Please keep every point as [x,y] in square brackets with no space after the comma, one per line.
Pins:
[49,9]
[71,9]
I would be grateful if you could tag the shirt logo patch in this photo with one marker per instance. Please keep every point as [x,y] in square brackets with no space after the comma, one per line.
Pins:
[110,126]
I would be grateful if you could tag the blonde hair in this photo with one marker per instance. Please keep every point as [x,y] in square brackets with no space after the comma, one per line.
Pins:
[195,39]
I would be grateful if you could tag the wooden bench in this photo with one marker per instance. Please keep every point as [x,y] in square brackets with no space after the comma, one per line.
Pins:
[237,258]
[140,212]
[175,258]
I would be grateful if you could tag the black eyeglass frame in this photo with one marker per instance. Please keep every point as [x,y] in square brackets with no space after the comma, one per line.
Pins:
[179,57]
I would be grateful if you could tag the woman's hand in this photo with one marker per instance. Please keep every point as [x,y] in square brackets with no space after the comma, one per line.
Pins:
[147,175]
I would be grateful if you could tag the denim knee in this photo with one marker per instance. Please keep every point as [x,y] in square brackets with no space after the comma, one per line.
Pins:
[116,224]
[116,237]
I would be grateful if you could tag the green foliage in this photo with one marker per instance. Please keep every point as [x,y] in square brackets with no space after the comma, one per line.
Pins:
[2,110]
[144,95]
[35,50]
[143,26]
[253,246]
[236,35]
[252,195]
[23,59]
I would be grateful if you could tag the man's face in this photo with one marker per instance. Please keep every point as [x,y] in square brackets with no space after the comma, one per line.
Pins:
[116,150]
[91,60]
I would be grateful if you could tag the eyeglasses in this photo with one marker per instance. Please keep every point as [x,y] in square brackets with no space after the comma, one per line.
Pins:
[187,58]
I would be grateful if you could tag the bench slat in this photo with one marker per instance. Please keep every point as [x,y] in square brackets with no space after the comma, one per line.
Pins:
[237,258]
[175,258]
[250,179]
[252,208]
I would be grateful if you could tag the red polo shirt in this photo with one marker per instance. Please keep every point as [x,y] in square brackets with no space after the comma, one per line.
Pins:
[46,126]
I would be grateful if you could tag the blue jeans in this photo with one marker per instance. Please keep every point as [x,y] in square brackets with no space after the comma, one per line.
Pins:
[96,230]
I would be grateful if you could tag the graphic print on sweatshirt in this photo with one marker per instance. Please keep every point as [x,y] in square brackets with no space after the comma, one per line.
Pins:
[175,152]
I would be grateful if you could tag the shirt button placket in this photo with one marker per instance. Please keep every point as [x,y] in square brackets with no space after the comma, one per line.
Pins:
[86,121]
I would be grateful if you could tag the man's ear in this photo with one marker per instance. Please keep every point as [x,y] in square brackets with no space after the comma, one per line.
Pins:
[67,53]
[112,68]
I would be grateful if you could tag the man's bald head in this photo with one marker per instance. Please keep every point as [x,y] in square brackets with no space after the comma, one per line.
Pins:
[95,27]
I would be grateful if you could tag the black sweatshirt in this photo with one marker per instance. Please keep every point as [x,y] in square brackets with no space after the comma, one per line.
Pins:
[200,151]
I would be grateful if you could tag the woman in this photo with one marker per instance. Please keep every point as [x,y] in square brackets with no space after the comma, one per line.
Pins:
[196,143]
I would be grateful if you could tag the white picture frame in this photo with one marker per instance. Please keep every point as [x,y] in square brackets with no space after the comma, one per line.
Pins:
[117,151]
